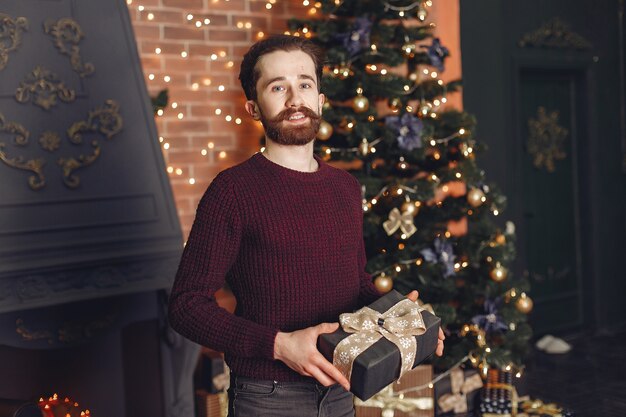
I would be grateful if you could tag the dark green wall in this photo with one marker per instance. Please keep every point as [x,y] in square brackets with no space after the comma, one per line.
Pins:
[501,82]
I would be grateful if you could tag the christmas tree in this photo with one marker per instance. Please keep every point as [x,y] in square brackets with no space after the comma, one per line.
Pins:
[430,217]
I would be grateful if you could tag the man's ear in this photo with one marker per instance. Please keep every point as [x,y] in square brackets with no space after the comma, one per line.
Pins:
[253,109]
[322,100]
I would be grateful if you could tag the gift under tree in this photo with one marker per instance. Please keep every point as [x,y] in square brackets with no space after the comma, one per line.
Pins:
[432,220]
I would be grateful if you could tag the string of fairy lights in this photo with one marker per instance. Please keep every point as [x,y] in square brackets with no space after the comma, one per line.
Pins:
[179,110]
[202,21]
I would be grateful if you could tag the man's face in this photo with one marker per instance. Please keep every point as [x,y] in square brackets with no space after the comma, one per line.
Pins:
[288,100]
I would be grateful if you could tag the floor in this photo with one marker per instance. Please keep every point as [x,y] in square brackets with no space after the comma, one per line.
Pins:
[590,380]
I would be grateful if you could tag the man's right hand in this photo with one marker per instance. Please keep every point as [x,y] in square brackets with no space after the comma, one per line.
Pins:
[298,350]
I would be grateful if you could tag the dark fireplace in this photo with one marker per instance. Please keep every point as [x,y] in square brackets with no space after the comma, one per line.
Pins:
[89,235]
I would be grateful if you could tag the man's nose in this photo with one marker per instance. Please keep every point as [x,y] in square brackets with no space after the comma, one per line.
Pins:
[294,98]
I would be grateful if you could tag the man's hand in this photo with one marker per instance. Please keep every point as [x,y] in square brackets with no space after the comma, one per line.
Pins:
[298,350]
[413,296]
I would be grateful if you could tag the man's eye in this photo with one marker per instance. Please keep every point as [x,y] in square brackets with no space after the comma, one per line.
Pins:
[306,85]
[277,88]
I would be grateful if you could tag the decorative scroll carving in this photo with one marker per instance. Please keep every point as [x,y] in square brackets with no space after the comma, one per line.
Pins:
[69,333]
[67,35]
[20,132]
[45,87]
[105,120]
[546,139]
[10,36]
[36,181]
[50,141]
[31,335]
[69,165]
[554,34]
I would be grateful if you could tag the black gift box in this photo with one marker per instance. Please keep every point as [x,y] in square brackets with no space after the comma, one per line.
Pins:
[379,366]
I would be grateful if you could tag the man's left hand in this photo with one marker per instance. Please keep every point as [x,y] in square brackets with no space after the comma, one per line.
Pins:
[413,296]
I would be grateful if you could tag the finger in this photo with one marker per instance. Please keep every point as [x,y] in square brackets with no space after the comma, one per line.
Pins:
[413,295]
[439,350]
[442,336]
[327,327]
[321,377]
[334,373]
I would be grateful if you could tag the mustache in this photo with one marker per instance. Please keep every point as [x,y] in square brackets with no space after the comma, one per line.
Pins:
[287,113]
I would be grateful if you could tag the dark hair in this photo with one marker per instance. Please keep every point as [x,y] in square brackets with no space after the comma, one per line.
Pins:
[249,73]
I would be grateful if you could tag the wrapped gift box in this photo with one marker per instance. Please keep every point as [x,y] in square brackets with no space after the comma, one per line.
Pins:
[211,405]
[412,403]
[459,392]
[212,373]
[379,365]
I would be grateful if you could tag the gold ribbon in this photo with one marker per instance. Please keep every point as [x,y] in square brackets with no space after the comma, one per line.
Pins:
[400,324]
[397,220]
[460,387]
[538,407]
[387,399]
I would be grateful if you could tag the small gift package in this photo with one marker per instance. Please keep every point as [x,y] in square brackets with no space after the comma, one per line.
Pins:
[375,345]
[410,396]
[211,405]
[212,374]
[499,397]
[459,392]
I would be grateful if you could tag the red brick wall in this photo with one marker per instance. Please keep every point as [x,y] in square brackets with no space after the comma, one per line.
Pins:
[197,142]
[202,142]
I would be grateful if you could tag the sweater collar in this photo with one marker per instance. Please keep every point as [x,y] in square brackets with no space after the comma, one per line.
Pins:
[283,172]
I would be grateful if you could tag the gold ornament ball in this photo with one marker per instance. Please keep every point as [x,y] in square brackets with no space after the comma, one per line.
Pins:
[498,273]
[383,284]
[325,131]
[395,104]
[500,239]
[409,49]
[360,104]
[425,109]
[347,124]
[475,197]
[524,304]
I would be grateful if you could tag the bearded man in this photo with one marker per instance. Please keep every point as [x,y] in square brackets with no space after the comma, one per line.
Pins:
[284,230]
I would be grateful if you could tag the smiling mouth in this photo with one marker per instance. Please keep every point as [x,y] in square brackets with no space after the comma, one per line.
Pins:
[296,117]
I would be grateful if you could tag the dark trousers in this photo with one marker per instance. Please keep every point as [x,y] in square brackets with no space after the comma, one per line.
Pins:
[249,397]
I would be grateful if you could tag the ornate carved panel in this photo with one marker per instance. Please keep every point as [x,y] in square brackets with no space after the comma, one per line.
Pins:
[546,139]
[10,36]
[554,34]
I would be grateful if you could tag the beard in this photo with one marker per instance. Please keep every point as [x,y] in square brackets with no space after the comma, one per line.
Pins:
[294,135]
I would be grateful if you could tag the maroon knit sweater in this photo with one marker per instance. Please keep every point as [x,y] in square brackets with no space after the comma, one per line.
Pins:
[290,246]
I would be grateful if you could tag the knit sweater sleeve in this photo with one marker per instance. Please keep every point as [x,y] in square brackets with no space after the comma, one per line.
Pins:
[210,252]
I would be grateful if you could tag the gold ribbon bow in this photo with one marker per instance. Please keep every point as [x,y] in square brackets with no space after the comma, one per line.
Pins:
[460,387]
[397,220]
[400,324]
